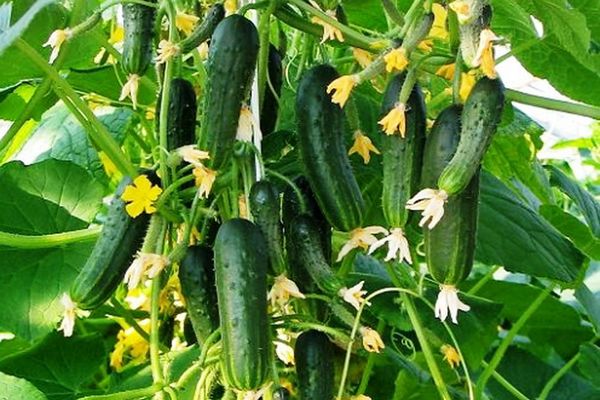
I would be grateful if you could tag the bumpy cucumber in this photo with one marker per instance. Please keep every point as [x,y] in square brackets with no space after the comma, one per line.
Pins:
[265,208]
[480,117]
[120,239]
[323,151]
[268,113]
[181,118]
[241,276]
[203,31]
[231,63]
[197,278]
[402,157]
[313,354]
[138,24]
[450,245]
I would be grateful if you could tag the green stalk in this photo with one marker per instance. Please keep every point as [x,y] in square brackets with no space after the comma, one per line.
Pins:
[127,395]
[264,32]
[506,384]
[50,240]
[507,341]
[485,279]
[551,104]
[557,377]
[366,375]
[99,134]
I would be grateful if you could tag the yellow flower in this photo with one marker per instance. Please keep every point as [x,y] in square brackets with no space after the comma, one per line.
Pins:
[371,340]
[451,356]
[117,35]
[360,397]
[360,237]
[248,125]
[170,298]
[448,302]
[191,154]
[203,50]
[243,206]
[363,146]
[205,177]
[70,313]
[463,10]
[425,45]
[282,289]
[397,246]
[467,81]
[485,53]
[395,120]
[130,89]
[231,6]
[395,60]
[144,264]
[56,39]
[329,32]
[342,87]
[194,235]
[446,71]
[130,341]
[362,57]
[141,196]
[431,202]
[438,29]
[138,298]
[283,350]
[185,22]
[354,296]
[166,51]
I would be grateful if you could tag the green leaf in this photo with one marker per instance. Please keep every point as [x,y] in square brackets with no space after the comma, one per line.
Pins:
[588,205]
[367,14]
[58,366]
[590,303]
[589,362]
[579,233]
[513,235]
[12,388]
[60,136]
[9,36]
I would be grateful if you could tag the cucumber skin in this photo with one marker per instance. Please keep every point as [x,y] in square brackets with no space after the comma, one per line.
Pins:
[402,157]
[264,206]
[313,354]
[181,118]
[231,63]
[202,32]
[480,117]
[450,245]
[323,152]
[241,276]
[197,278]
[138,24]
[120,239]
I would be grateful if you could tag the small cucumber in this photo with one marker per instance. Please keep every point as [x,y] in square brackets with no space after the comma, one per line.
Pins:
[323,151]
[480,117]
[197,278]
[313,354]
[241,262]
[203,31]
[402,156]
[138,24]
[181,119]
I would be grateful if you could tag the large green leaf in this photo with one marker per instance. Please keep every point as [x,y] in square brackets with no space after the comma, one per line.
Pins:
[513,235]
[8,36]
[366,13]
[60,136]
[579,233]
[591,304]
[591,10]
[58,366]
[12,388]
[589,362]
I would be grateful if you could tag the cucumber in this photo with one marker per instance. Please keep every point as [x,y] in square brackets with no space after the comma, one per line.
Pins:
[203,31]
[138,24]
[270,107]
[305,238]
[314,366]
[323,151]
[120,239]
[480,117]
[181,118]
[450,245]
[280,393]
[265,208]
[241,276]
[197,278]
[231,62]
[402,157]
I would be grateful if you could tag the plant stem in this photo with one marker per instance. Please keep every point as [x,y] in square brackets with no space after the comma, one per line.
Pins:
[264,32]
[557,376]
[507,341]
[485,279]
[552,104]
[506,384]
[366,375]
[50,240]
[130,394]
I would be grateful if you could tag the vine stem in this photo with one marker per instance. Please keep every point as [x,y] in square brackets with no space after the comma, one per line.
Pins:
[127,395]
[98,132]
[507,341]
[552,104]
[264,32]
[155,364]
[557,376]
[50,240]
[506,384]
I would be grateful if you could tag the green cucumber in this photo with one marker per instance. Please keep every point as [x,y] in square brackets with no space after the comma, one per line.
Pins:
[402,156]
[120,239]
[265,208]
[203,31]
[197,278]
[241,276]
[313,354]
[323,151]
[480,117]
[305,237]
[450,245]
[181,118]
[138,24]
[268,113]
[231,63]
